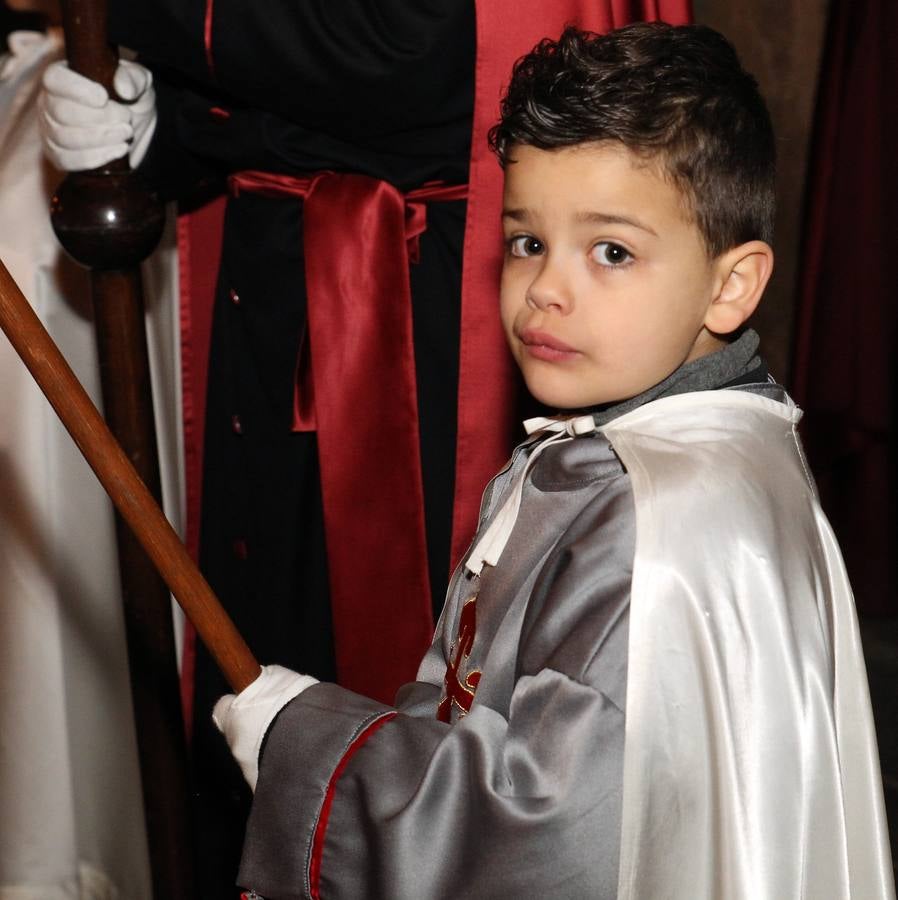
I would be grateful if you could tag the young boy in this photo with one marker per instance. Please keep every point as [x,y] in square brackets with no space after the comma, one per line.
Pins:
[647,680]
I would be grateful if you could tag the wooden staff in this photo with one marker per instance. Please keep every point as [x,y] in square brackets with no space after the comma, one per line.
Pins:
[120,480]
[168,838]
[168,835]
[109,221]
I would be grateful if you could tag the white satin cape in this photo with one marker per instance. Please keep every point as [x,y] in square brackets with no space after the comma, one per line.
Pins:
[751,768]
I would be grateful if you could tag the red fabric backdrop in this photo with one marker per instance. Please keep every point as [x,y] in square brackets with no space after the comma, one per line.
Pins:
[844,367]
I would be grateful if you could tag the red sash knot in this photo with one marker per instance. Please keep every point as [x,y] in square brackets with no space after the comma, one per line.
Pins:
[356,387]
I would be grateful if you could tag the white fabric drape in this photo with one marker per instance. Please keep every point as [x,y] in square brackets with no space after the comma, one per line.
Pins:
[750,770]
[70,799]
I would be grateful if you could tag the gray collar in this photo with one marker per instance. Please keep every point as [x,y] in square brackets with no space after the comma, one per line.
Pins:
[707,373]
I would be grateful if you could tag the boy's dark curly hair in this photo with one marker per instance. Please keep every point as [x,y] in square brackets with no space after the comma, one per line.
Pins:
[676,94]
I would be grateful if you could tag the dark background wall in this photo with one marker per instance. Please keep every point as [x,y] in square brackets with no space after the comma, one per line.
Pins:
[779,42]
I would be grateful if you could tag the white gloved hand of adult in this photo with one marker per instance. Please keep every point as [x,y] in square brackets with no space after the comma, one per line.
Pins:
[83,128]
[244,718]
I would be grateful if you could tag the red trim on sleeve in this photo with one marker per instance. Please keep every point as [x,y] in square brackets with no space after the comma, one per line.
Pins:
[207,36]
[321,827]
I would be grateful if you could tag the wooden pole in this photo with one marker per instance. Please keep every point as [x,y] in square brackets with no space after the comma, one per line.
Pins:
[109,221]
[119,478]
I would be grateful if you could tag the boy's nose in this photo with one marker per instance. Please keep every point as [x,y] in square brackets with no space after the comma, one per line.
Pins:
[549,290]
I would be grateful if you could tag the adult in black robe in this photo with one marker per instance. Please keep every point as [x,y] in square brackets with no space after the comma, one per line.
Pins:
[294,89]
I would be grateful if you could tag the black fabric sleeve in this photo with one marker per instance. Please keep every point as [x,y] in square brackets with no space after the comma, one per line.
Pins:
[170,165]
[370,67]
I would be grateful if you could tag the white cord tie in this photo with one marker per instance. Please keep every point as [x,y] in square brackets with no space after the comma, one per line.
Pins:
[489,548]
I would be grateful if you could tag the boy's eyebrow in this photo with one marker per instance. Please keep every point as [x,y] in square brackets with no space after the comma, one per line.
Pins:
[586,217]
[516,215]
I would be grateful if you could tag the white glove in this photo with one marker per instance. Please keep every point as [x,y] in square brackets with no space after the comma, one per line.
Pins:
[83,128]
[245,718]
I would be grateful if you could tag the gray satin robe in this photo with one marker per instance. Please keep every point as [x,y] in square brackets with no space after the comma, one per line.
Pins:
[522,796]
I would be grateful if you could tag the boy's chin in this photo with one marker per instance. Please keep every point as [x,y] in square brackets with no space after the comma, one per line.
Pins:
[561,400]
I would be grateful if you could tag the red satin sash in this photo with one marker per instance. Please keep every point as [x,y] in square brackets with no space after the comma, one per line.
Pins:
[359,394]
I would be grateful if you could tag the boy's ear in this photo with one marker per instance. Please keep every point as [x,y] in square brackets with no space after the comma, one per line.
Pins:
[741,274]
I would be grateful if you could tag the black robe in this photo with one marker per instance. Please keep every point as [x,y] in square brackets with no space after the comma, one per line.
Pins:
[298,88]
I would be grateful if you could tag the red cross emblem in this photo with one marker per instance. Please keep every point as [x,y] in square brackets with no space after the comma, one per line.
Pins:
[460,690]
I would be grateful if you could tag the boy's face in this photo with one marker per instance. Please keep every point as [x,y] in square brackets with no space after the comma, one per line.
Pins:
[606,282]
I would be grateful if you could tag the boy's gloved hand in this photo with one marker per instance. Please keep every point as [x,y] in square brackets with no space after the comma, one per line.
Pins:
[244,719]
[83,128]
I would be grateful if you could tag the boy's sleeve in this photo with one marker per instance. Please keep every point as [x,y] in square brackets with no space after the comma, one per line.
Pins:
[392,805]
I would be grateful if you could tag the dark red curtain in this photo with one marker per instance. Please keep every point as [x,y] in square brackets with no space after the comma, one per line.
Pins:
[844,370]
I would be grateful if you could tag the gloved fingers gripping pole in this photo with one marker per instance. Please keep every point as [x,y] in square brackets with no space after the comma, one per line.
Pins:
[83,127]
[125,488]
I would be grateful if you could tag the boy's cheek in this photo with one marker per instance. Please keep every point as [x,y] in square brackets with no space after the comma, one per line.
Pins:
[507,328]
[509,316]
[506,312]
[513,287]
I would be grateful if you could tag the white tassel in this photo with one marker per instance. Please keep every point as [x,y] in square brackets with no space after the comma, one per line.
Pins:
[489,548]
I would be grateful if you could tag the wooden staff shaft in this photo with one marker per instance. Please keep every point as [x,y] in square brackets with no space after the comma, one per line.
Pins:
[90,54]
[120,480]
[109,221]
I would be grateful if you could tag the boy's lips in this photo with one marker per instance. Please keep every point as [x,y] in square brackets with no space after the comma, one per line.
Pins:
[543,346]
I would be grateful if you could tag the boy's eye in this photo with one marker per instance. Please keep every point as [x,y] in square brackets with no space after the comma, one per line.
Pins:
[525,245]
[605,253]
